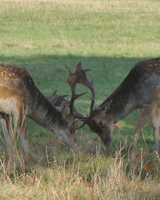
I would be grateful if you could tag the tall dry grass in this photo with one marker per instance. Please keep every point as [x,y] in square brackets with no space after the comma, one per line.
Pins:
[83,176]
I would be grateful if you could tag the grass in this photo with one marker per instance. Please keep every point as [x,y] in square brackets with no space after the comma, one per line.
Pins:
[84,176]
[109,37]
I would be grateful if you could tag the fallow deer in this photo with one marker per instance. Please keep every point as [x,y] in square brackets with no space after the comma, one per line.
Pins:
[140,89]
[20,98]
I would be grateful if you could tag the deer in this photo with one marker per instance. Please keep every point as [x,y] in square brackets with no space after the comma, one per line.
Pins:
[139,90]
[20,98]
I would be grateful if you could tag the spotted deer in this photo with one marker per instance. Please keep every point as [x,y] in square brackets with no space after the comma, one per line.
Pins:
[140,89]
[20,98]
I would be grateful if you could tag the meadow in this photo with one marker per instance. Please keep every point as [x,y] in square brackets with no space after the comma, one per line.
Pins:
[108,37]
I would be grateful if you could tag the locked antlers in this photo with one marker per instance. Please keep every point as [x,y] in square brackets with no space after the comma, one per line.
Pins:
[79,77]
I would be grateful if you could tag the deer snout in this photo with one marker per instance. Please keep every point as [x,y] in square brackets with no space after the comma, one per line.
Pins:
[106,139]
[71,141]
[107,142]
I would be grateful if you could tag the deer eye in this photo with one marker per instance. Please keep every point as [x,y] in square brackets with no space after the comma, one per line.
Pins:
[101,124]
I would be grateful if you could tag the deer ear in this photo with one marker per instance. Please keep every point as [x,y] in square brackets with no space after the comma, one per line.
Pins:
[64,108]
[105,107]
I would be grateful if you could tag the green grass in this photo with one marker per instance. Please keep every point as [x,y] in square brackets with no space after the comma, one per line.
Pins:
[109,37]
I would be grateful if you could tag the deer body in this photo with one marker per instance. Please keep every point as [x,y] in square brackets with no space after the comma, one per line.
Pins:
[20,98]
[140,89]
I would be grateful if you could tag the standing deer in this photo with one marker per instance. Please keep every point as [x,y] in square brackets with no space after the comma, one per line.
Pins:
[140,89]
[20,98]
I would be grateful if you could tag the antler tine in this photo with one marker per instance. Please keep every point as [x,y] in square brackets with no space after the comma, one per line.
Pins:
[91,88]
[92,104]
[93,96]
[58,96]
[55,92]
[69,68]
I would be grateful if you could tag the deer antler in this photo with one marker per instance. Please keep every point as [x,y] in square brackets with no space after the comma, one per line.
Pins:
[79,77]
[56,99]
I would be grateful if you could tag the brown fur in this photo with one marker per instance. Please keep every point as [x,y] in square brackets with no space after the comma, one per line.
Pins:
[140,89]
[19,97]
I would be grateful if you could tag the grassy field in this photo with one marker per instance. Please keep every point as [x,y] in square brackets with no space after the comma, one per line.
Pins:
[109,37]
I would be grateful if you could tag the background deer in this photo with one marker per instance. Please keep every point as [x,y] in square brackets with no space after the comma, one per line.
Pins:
[140,89]
[20,98]
[57,100]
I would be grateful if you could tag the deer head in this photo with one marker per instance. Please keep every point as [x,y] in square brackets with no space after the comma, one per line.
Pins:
[101,123]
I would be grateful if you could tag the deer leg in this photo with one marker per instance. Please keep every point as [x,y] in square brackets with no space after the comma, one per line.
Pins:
[7,130]
[146,114]
[24,140]
[20,124]
[156,123]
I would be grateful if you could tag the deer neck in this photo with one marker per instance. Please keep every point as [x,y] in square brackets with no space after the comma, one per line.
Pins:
[44,114]
[123,102]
